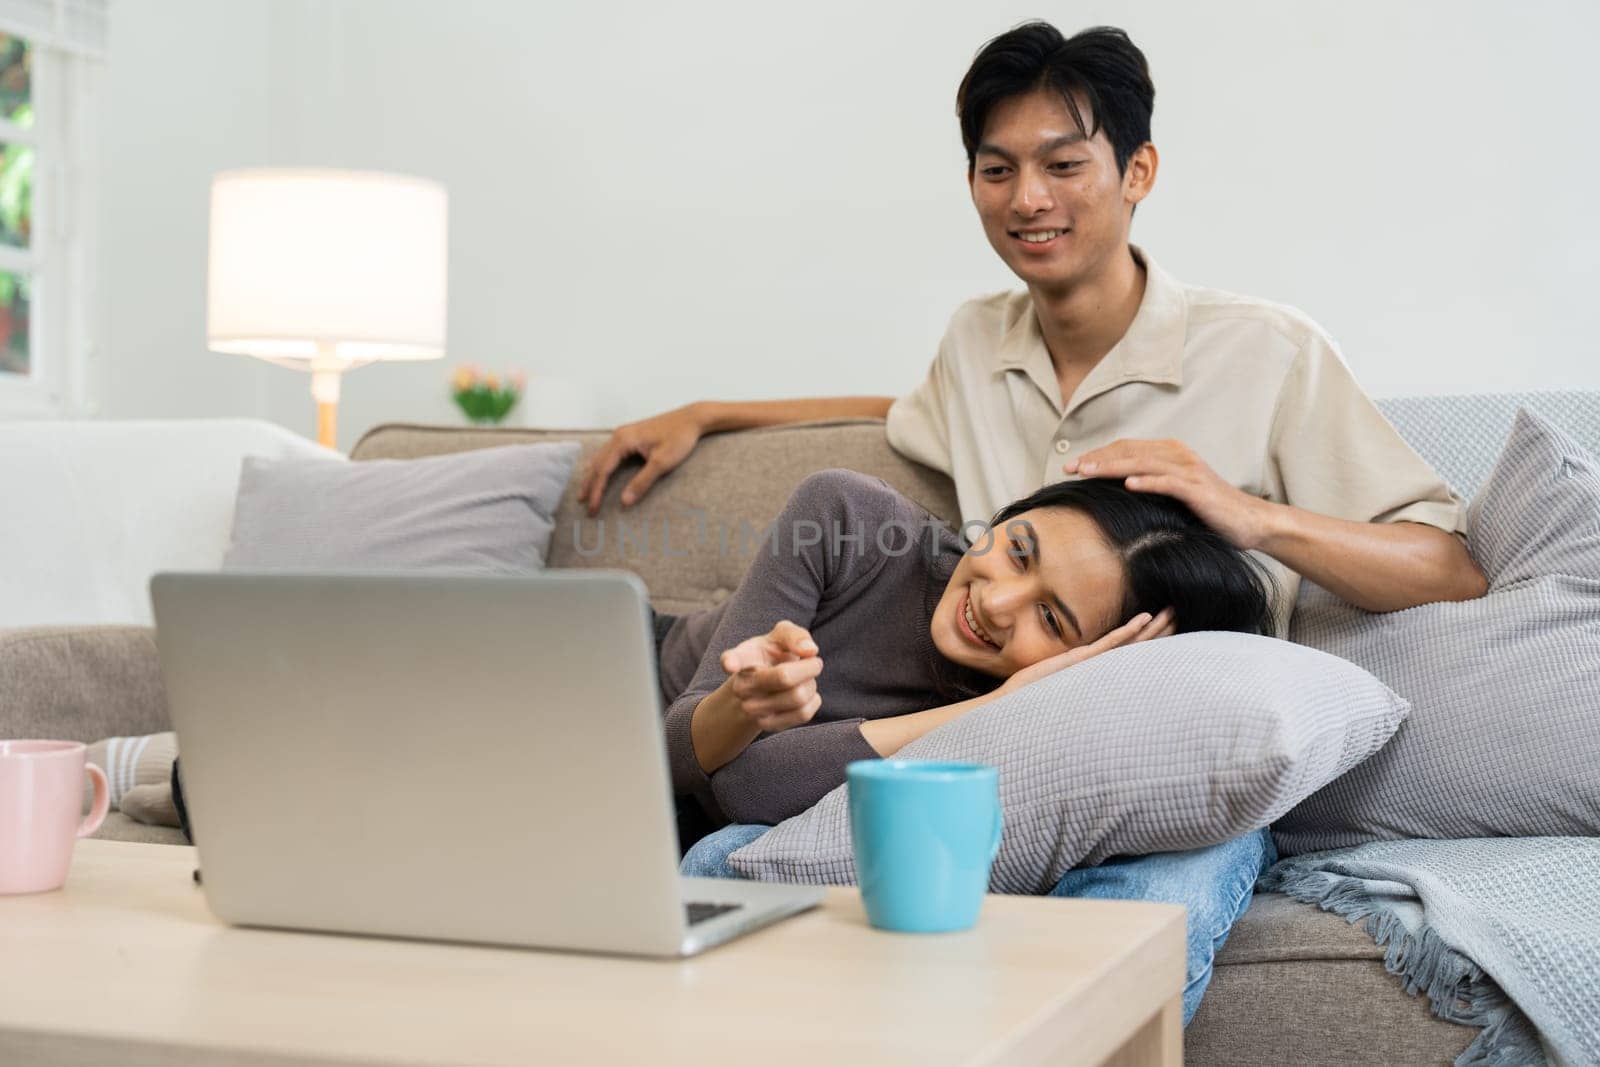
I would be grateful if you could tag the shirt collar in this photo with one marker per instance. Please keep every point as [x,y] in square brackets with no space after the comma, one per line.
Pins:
[1151,350]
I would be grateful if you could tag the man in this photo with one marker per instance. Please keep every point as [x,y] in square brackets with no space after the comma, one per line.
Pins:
[1107,367]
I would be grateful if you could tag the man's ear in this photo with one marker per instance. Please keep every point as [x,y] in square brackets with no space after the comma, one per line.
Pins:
[1139,177]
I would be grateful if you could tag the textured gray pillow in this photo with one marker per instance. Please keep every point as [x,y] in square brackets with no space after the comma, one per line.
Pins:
[1171,744]
[490,509]
[1504,734]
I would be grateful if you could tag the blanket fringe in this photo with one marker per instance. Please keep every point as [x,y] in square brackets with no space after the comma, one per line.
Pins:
[1457,988]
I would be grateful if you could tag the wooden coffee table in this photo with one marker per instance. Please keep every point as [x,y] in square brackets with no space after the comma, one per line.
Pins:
[126,965]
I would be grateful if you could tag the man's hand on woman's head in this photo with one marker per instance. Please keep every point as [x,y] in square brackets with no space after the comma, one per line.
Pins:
[773,677]
[1142,627]
[1172,468]
[664,441]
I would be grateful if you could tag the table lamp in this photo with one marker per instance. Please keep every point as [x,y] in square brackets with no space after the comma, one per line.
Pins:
[326,271]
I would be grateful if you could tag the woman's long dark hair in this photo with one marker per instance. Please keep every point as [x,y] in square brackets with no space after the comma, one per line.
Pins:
[1169,557]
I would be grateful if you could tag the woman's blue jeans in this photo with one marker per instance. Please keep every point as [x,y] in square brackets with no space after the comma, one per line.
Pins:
[1214,884]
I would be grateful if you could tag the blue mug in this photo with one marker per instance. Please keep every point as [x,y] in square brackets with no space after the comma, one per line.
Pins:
[925,835]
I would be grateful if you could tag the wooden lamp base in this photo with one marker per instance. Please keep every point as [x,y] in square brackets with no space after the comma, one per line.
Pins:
[327,423]
[325,374]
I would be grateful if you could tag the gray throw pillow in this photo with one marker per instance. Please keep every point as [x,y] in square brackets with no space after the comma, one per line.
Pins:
[1504,734]
[1172,744]
[487,510]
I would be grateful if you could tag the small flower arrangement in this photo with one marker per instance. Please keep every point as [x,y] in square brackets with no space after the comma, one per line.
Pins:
[484,396]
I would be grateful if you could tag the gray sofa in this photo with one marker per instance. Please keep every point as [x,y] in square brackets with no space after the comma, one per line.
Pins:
[1293,985]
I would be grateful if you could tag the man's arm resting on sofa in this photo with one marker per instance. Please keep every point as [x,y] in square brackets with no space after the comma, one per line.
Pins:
[666,440]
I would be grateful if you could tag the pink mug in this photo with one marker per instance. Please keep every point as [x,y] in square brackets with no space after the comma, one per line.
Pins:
[41,798]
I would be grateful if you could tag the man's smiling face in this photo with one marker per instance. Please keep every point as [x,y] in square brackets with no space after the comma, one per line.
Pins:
[1052,201]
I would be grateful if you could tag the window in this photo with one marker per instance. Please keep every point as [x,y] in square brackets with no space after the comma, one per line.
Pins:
[49,51]
[18,264]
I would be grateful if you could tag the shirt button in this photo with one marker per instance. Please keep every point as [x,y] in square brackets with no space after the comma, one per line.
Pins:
[1063,446]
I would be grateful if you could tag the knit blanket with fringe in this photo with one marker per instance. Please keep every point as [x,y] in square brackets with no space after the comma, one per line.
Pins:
[1501,933]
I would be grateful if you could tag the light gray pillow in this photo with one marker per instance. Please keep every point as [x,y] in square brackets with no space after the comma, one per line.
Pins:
[486,510]
[1172,744]
[1504,734]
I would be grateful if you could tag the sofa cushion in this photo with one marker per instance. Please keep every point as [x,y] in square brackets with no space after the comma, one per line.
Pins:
[118,827]
[1504,735]
[1168,745]
[1295,984]
[488,510]
[1539,513]
[1317,1013]
[1276,928]
[80,683]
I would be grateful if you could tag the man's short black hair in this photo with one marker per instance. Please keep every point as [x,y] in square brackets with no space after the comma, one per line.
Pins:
[1101,65]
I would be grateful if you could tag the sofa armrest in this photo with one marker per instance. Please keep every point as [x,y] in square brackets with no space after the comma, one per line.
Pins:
[80,683]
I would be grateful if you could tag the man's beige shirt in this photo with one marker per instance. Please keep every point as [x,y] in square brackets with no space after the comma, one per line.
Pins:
[1256,389]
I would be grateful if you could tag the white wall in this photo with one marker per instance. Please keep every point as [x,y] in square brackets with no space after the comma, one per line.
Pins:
[187,92]
[657,203]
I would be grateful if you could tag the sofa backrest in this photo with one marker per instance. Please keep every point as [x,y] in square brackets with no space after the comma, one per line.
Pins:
[1461,435]
[692,537]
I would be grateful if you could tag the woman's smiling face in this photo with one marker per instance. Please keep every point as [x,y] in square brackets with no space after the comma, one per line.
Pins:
[1041,583]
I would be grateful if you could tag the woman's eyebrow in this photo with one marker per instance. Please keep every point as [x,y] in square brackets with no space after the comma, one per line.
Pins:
[1038,557]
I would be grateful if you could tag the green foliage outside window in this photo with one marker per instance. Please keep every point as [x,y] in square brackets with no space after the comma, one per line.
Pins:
[16,193]
[16,77]
[16,201]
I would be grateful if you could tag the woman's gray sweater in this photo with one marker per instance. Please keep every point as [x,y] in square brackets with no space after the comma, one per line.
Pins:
[861,567]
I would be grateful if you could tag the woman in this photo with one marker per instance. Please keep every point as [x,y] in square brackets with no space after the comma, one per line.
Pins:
[863,623]
[846,640]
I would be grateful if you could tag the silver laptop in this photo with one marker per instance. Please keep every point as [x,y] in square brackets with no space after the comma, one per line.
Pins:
[430,756]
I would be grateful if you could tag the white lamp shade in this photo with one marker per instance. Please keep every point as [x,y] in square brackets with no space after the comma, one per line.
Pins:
[320,264]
